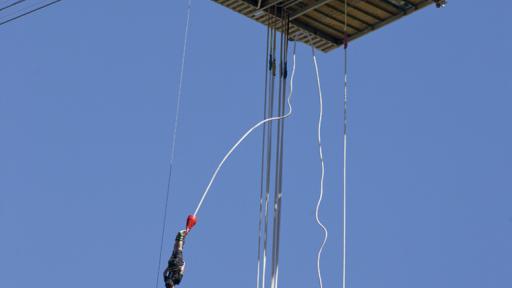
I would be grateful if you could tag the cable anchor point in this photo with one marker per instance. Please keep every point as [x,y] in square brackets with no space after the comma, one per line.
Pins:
[191,222]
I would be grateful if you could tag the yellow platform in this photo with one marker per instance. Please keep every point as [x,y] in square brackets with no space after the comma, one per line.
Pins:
[320,23]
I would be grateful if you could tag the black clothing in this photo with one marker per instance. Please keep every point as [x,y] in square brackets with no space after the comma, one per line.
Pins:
[176,265]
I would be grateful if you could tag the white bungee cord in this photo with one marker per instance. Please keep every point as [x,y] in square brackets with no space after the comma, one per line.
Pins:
[290,110]
[326,232]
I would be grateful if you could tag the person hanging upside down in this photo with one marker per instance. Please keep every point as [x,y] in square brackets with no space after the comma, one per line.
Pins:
[176,266]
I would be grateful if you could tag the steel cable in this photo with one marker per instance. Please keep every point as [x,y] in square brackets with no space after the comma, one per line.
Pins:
[174,136]
[272,77]
[345,133]
[32,10]
[12,5]
[265,115]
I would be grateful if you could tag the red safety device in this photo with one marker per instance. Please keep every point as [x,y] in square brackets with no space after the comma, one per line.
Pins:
[191,222]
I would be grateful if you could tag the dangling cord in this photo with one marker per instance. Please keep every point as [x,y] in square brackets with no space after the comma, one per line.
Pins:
[271,93]
[228,154]
[345,132]
[173,142]
[280,111]
[326,232]
[280,150]
[265,115]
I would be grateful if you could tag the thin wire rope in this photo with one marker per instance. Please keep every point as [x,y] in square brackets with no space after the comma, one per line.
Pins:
[278,238]
[29,12]
[272,261]
[228,154]
[345,133]
[320,118]
[272,79]
[265,111]
[12,4]
[278,163]
[173,141]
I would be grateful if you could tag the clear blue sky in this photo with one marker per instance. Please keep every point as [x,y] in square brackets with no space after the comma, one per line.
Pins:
[87,98]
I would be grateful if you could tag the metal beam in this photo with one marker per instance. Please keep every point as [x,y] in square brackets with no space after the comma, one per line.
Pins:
[269,3]
[317,32]
[340,21]
[366,13]
[379,25]
[349,16]
[411,4]
[395,5]
[308,8]
[301,25]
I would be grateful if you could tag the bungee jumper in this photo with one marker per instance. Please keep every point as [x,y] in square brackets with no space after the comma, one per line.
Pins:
[176,265]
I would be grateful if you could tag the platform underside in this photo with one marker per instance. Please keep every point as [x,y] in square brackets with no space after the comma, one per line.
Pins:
[320,23]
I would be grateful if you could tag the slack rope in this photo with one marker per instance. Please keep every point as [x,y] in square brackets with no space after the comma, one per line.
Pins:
[326,232]
[233,148]
[173,141]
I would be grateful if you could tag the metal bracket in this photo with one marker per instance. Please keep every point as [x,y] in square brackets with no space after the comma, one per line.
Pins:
[441,3]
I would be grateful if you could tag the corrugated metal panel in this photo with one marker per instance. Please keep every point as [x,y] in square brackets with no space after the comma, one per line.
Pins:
[320,23]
